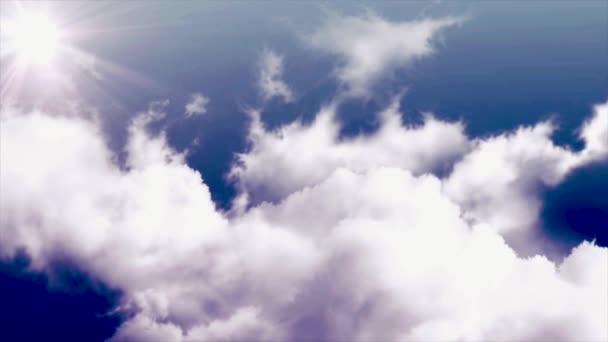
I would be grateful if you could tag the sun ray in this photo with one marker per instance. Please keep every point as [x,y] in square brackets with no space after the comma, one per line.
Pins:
[43,55]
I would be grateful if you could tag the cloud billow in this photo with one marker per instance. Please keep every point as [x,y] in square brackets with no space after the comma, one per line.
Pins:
[367,250]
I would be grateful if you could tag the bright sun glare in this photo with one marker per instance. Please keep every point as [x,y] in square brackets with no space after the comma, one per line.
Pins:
[34,38]
[38,55]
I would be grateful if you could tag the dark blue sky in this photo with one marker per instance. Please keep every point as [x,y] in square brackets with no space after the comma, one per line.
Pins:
[510,63]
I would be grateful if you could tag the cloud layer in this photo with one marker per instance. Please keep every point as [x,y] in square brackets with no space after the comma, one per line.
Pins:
[361,241]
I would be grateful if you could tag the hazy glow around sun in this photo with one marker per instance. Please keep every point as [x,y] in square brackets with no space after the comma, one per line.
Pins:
[33,38]
[40,57]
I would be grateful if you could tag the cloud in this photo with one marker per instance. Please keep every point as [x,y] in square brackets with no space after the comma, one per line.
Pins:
[197,104]
[370,46]
[595,133]
[366,247]
[304,155]
[496,180]
[499,180]
[87,62]
[270,76]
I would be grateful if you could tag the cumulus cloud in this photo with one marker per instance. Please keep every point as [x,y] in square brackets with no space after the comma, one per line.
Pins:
[498,180]
[495,180]
[505,172]
[270,79]
[595,133]
[197,104]
[369,246]
[371,46]
[304,155]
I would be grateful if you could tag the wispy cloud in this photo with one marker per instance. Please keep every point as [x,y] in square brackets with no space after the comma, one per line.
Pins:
[270,81]
[197,104]
[370,46]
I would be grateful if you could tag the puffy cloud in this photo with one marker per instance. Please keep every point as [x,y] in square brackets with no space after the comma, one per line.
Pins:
[295,156]
[197,104]
[119,225]
[505,172]
[244,324]
[595,133]
[498,181]
[371,46]
[362,250]
[270,79]
[400,264]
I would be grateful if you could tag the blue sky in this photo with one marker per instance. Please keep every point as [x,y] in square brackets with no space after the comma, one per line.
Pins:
[337,137]
[512,63]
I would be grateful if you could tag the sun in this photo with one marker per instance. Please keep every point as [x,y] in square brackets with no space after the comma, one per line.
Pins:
[41,60]
[33,39]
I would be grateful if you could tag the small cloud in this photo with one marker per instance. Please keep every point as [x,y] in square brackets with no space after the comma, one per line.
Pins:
[156,111]
[88,63]
[197,104]
[370,46]
[270,77]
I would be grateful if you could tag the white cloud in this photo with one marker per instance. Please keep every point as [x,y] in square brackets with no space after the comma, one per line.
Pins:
[595,133]
[270,79]
[498,181]
[371,46]
[197,104]
[495,180]
[361,250]
[304,155]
